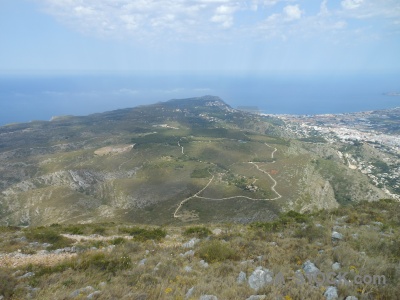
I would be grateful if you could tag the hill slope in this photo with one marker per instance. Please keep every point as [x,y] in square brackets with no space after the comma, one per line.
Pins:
[189,160]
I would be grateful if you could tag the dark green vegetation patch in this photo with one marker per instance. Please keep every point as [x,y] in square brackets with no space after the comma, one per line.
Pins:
[142,234]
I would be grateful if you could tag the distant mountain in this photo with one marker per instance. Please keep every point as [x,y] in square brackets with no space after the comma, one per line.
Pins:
[184,160]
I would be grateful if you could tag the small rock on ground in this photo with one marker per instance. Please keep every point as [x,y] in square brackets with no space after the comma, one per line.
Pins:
[241,278]
[93,295]
[189,293]
[260,278]
[336,266]
[331,293]
[336,235]
[309,267]
[191,243]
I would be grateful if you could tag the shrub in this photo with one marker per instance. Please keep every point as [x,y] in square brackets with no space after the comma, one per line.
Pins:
[48,235]
[7,284]
[216,251]
[97,244]
[279,224]
[103,262]
[5,229]
[200,173]
[73,230]
[391,249]
[198,231]
[142,234]
[99,230]
[118,241]
[267,226]
[293,216]
[89,261]
[311,233]
[353,218]
[45,270]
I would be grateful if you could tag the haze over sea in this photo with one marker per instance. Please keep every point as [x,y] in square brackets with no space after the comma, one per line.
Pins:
[26,98]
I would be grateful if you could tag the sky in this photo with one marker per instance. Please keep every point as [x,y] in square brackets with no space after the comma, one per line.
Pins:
[248,36]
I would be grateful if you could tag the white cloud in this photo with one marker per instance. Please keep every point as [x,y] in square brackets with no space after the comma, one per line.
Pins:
[383,10]
[351,4]
[292,12]
[323,10]
[205,20]
[339,25]
[224,15]
[270,2]
[225,10]
[225,20]
[141,19]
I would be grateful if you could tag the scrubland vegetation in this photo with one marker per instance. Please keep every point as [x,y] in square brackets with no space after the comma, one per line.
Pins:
[121,261]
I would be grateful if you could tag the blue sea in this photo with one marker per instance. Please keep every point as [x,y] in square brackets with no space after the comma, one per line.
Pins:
[24,98]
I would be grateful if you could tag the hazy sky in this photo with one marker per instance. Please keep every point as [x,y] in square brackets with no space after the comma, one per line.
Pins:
[200,35]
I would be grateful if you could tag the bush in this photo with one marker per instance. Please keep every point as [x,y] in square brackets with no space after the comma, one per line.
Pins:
[353,218]
[48,235]
[99,230]
[90,261]
[279,224]
[7,284]
[293,216]
[45,270]
[103,262]
[197,231]
[216,251]
[73,230]
[142,234]
[267,226]
[200,173]
[5,229]
[311,233]
[118,241]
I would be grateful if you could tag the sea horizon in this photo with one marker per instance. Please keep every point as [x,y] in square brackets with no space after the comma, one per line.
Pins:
[28,97]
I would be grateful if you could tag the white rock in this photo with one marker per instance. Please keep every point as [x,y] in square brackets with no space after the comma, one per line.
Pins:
[189,293]
[335,266]
[241,278]
[309,267]
[191,243]
[260,278]
[331,293]
[93,295]
[87,289]
[336,235]
[217,231]
[188,269]
[27,275]
[203,264]
[189,253]
[250,261]
[102,284]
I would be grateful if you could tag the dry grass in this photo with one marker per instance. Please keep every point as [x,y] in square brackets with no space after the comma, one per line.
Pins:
[157,266]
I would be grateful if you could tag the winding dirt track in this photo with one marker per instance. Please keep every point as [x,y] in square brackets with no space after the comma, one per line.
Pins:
[179,144]
[278,196]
